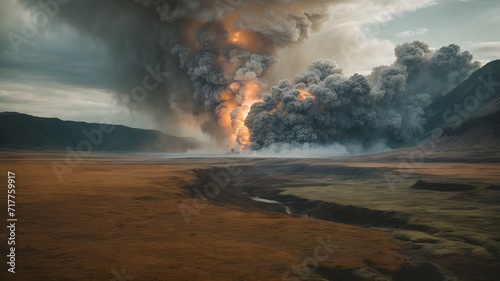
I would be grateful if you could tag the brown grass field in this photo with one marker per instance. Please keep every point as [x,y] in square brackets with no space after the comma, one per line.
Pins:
[115,212]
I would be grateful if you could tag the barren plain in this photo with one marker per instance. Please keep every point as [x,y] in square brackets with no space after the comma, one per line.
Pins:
[155,217]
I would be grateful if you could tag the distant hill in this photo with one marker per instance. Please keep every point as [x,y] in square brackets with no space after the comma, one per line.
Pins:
[470,114]
[25,132]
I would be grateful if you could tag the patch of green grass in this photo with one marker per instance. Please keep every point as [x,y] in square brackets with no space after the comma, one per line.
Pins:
[467,223]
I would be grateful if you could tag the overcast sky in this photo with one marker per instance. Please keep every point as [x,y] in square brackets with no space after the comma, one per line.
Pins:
[61,73]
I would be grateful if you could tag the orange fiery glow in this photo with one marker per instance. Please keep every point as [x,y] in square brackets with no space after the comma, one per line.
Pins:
[245,93]
[246,39]
[235,101]
[304,94]
[225,108]
[236,37]
[249,94]
[234,108]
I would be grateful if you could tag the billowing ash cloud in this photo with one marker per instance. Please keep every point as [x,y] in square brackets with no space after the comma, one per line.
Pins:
[215,52]
[211,57]
[321,106]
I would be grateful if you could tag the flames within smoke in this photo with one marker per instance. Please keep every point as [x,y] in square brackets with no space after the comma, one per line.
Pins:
[227,58]
[227,77]
[217,54]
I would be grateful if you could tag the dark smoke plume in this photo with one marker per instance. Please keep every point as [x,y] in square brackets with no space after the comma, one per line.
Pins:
[212,58]
[321,106]
[211,50]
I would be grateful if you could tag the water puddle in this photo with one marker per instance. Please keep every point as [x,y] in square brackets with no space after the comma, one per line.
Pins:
[263,200]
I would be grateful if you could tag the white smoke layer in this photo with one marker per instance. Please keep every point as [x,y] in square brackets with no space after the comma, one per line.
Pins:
[311,150]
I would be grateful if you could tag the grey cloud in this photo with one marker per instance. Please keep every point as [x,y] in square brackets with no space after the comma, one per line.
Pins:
[210,71]
[56,62]
[143,33]
[387,106]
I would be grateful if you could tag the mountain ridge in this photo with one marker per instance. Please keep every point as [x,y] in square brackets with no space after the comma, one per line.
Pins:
[469,115]
[20,131]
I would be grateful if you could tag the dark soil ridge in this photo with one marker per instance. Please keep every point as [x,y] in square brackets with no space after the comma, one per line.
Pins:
[330,211]
[348,214]
[438,186]
[493,187]
[226,193]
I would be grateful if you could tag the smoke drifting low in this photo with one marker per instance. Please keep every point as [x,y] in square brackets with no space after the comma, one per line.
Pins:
[321,106]
[213,57]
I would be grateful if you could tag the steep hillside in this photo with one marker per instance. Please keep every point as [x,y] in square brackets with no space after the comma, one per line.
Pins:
[469,115]
[25,132]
